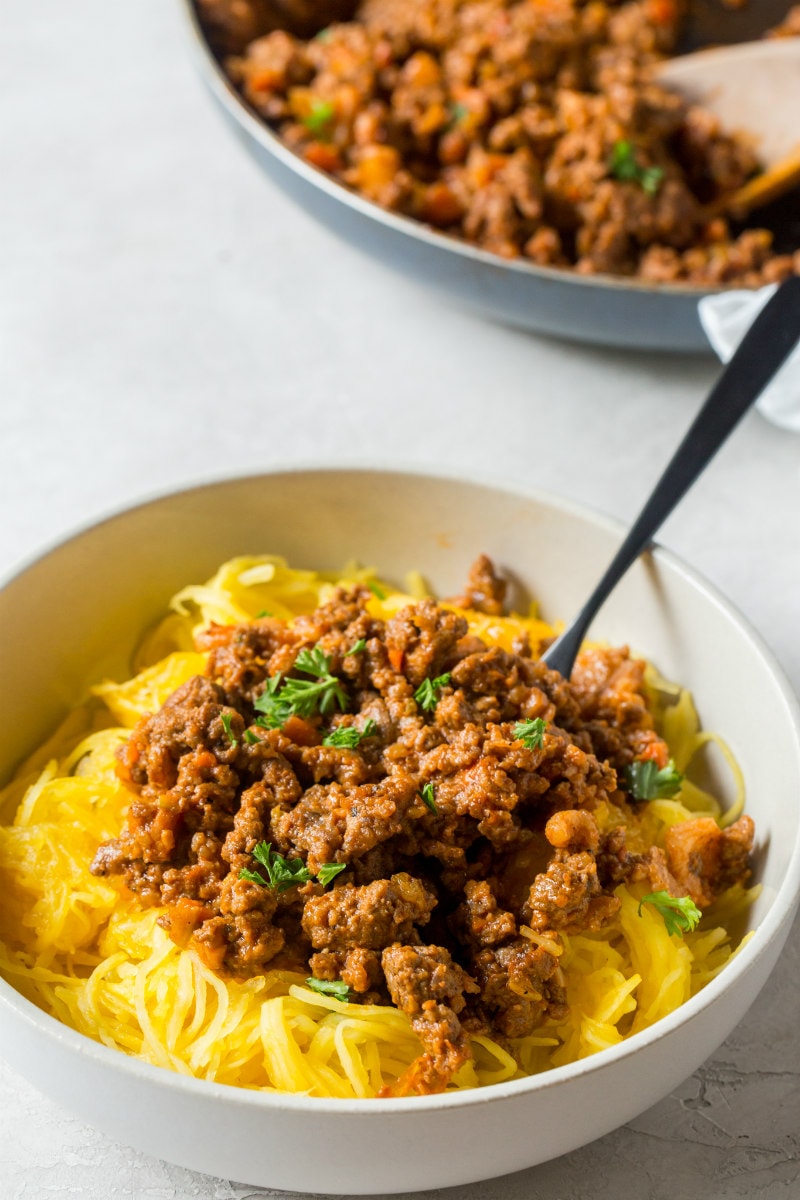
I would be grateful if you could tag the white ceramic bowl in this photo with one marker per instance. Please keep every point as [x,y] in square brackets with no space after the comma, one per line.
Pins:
[74,614]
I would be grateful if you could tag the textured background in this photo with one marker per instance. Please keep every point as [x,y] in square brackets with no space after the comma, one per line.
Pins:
[165,315]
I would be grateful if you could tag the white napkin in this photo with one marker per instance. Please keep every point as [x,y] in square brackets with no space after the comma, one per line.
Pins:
[726,318]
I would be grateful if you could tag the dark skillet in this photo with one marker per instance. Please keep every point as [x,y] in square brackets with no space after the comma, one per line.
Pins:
[598,309]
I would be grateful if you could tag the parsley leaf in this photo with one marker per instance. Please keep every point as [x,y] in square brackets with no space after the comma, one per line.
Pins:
[347,737]
[313,662]
[276,710]
[329,987]
[284,698]
[329,871]
[427,694]
[624,165]
[360,645]
[428,798]
[645,781]
[376,589]
[680,914]
[226,719]
[264,613]
[282,873]
[530,733]
[251,738]
[253,877]
[318,120]
[457,113]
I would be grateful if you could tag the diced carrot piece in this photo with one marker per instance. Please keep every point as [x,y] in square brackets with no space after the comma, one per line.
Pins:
[377,168]
[184,917]
[327,158]
[441,206]
[301,732]
[396,658]
[657,752]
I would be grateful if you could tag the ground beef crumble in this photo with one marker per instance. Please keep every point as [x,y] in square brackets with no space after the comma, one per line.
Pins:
[498,122]
[465,852]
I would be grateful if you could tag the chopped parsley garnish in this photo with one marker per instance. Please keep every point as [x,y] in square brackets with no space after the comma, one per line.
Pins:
[276,711]
[625,166]
[330,987]
[530,733]
[264,613]
[226,719]
[251,738]
[376,590]
[283,873]
[324,35]
[427,694]
[284,698]
[360,645]
[680,913]
[457,114]
[312,662]
[645,781]
[329,871]
[318,120]
[347,737]
[428,798]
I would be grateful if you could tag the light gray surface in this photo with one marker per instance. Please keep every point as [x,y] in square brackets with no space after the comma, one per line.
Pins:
[164,316]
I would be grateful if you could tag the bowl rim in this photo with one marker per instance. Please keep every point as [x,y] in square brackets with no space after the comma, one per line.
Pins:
[782,908]
[253,124]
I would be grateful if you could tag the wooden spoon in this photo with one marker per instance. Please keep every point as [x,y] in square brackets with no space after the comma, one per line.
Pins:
[755,90]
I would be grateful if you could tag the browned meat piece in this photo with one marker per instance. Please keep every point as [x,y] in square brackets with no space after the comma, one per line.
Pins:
[705,860]
[609,687]
[239,654]
[617,864]
[331,825]
[372,917]
[519,983]
[251,823]
[426,984]
[188,721]
[573,830]
[360,969]
[576,776]
[568,895]
[483,922]
[180,761]
[485,590]
[423,638]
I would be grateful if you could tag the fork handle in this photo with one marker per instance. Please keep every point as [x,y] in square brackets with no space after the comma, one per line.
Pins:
[763,350]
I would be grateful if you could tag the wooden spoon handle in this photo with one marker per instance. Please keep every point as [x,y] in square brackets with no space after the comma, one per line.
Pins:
[771,184]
